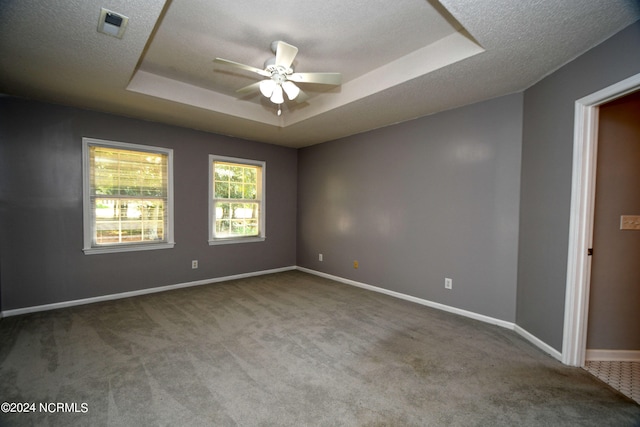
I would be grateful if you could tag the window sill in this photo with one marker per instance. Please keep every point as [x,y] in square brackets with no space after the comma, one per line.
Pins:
[233,240]
[128,248]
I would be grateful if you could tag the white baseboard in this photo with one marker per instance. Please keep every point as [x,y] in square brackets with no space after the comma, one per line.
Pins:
[421,301]
[539,343]
[121,295]
[613,355]
[487,319]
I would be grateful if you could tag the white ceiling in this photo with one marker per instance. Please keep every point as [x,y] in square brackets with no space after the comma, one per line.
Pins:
[399,60]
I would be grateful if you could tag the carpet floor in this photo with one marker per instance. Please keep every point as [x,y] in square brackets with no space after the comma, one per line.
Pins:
[286,349]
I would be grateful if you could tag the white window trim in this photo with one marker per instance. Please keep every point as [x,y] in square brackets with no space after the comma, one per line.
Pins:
[88,248]
[263,204]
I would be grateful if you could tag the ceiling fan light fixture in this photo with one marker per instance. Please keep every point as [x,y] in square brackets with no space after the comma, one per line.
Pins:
[281,77]
[277,97]
[291,90]
[267,87]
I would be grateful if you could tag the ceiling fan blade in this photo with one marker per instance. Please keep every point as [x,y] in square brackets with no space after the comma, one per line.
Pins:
[242,66]
[285,54]
[302,97]
[253,87]
[321,78]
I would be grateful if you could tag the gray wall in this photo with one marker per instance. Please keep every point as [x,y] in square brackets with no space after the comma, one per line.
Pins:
[420,201]
[614,297]
[41,207]
[546,178]
[413,203]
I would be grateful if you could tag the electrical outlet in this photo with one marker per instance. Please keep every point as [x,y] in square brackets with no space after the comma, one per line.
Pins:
[448,283]
[320,257]
[194,264]
[356,264]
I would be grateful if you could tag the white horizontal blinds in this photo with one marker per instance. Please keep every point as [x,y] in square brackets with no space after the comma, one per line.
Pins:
[237,198]
[129,194]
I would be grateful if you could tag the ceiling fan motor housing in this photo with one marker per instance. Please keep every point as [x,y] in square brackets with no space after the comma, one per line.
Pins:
[270,66]
[274,46]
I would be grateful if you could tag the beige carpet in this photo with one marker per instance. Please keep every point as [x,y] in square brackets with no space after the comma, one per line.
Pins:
[288,349]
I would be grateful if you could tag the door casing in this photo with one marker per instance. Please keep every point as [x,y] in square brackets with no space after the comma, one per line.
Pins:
[585,148]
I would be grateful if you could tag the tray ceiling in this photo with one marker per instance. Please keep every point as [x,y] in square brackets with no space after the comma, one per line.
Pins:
[415,58]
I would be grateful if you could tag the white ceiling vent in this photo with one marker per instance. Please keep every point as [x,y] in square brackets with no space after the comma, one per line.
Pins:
[112,23]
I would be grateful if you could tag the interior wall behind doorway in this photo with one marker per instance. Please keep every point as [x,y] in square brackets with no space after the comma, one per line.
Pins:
[614,302]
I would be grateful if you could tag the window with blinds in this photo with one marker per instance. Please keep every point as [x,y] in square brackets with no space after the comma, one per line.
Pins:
[128,196]
[236,202]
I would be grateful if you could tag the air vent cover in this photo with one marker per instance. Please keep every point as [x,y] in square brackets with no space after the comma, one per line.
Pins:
[112,23]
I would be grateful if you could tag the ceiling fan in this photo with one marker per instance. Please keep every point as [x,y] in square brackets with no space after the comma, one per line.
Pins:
[281,78]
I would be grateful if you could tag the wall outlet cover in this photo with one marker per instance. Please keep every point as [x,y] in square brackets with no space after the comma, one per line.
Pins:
[448,283]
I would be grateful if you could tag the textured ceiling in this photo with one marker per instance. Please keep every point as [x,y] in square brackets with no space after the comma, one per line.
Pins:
[413,59]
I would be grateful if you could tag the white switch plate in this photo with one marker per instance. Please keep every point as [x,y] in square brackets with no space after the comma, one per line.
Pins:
[630,222]
[320,257]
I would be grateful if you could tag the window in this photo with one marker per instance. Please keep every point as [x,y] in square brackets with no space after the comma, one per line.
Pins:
[128,197]
[236,200]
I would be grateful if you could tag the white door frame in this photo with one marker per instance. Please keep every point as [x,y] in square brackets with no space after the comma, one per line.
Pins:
[585,149]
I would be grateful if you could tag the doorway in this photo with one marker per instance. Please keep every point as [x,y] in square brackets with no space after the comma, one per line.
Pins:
[581,217]
[613,326]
